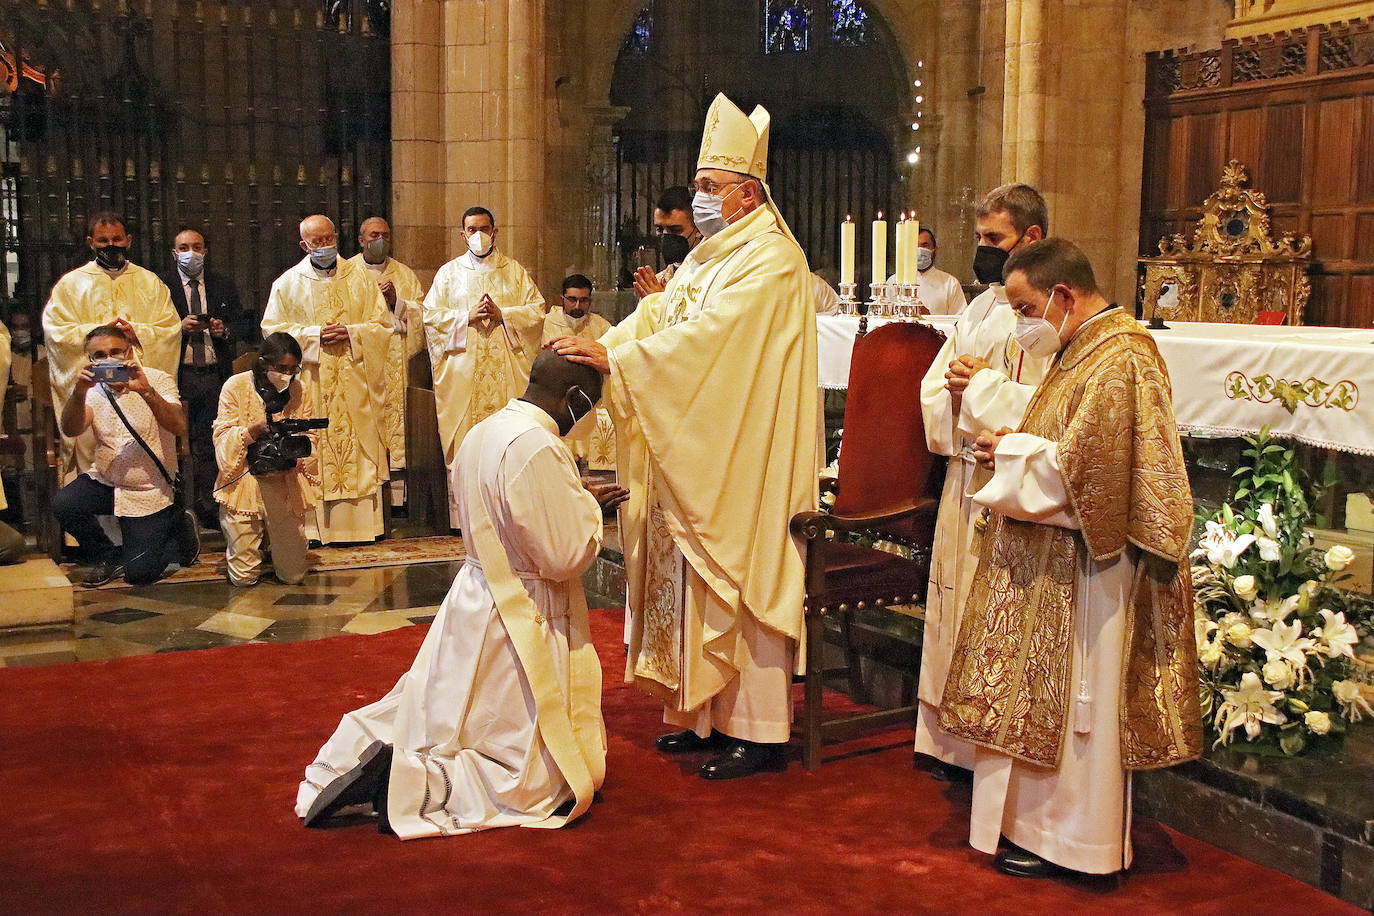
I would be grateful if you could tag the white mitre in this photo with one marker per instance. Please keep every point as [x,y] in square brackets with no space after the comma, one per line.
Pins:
[739,143]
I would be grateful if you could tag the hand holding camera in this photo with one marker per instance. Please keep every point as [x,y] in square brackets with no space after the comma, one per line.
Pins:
[280,444]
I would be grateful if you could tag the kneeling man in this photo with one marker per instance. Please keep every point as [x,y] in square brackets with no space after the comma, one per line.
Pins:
[1075,662]
[252,498]
[498,721]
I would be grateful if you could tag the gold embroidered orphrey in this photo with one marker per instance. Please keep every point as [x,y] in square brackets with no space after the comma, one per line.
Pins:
[1107,403]
[1233,269]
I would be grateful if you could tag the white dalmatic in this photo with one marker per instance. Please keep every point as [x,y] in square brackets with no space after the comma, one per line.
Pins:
[474,723]
[1077,816]
[996,397]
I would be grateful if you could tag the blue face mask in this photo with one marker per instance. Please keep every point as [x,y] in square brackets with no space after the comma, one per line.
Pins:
[324,258]
[191,262]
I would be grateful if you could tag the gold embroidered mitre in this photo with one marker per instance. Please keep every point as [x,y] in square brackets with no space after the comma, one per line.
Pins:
[733,141]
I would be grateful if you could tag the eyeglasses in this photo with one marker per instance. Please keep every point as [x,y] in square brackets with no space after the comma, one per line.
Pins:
[707,186]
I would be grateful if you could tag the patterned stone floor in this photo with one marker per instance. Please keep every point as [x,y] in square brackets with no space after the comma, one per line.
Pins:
[202,615]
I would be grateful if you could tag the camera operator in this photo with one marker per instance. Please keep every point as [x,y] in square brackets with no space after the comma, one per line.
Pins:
[262,484]
[124,479]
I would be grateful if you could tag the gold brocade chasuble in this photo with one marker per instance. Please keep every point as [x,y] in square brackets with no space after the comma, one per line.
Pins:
[82,300]
[479,368]
[401,347]
[1107,404]
[713,393]
[345,381]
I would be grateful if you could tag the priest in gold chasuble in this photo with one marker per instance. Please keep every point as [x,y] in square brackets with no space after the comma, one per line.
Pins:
[712,386]
[336,313]
[1075,662]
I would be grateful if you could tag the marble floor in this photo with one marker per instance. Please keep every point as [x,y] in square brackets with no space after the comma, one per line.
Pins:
[174,617]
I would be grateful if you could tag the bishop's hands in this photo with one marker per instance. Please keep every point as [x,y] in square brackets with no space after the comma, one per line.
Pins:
[581,350]
[608,494]
[646,281]
[486,310]
[985,447]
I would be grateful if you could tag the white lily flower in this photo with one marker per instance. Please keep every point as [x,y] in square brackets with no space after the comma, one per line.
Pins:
[1285,641]
[1269,549]
[1248,705]
[1266,520]
[1223,546]
[1202,629]
[1210,653]
[1354,705]
[1335,637]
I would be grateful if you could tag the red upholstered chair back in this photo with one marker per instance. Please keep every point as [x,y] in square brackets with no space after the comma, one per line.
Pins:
[884,462]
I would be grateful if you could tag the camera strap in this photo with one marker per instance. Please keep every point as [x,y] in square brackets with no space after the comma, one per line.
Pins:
[114,402]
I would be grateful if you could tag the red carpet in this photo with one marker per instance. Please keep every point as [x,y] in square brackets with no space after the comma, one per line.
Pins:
[164,784]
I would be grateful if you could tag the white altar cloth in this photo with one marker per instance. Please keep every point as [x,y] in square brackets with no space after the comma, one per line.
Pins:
[1228,379]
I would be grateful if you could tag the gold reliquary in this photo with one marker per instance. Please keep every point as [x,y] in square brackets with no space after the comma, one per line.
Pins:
[1232,271]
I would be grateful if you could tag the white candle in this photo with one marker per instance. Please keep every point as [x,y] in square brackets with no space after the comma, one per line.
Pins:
[847,250]
[879,251]
[913,238]
[901,249]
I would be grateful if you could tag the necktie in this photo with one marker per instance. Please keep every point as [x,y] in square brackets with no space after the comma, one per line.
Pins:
[196,306]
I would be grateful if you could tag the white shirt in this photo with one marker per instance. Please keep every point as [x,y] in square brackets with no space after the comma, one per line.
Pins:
[139,486]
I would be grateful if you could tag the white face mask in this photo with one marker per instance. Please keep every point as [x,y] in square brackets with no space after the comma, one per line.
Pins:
[279,380]
[575,418]
[708,212]
[924,258]
[1037,336]
[479,243]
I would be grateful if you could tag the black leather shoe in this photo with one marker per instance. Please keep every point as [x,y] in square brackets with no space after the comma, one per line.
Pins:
[1021,863]
[688,741]
[190,540]
[356,787]
[744,758]
[948,772]
[105,571]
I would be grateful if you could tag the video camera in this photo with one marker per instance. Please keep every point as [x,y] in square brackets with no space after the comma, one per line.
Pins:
[282,445]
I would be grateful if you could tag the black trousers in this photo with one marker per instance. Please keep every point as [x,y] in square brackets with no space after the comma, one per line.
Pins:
[151,542]
[199,388]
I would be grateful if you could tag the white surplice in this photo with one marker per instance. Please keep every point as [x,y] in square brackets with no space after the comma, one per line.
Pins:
[468,749]
[1078,815]
[996,397]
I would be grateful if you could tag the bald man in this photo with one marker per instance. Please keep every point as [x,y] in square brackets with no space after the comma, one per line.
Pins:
[337,314]
[403,294]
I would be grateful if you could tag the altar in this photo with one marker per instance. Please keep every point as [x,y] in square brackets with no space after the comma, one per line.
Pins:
[1315,385]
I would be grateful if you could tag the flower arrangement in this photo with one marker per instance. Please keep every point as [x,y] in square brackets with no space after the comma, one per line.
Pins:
[1276,636]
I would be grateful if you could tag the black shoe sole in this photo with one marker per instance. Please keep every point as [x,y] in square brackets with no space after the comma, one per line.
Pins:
[714,742]
[355,787]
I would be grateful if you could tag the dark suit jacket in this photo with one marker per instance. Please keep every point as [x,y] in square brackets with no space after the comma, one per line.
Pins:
[222,302]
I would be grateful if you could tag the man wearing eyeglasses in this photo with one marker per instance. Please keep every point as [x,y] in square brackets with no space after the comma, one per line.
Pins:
[712,386]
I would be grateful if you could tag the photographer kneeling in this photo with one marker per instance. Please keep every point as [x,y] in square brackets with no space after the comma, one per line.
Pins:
[135,416]
[267,477]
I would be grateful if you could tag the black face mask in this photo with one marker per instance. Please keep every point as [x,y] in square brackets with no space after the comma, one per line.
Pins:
[673,248]
[111,257]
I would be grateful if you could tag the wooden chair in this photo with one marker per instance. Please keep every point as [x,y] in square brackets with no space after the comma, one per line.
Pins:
[888,488]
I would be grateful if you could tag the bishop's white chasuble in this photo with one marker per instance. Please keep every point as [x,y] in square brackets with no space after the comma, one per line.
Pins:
[713,392]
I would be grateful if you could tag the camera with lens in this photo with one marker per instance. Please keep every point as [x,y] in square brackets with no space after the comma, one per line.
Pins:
[282,445]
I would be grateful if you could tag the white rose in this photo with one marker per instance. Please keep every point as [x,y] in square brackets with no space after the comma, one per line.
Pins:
[1319,723]
[1245,588]
[1278,674]
[1238,634]
[1338,558]
[1210,654]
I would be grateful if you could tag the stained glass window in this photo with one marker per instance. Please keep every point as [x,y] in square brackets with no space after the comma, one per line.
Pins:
[848,23]
[641,33]
[786,26]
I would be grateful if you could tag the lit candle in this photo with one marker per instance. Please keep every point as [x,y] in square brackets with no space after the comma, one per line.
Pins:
[847,250]
[901,248]
[879,251]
